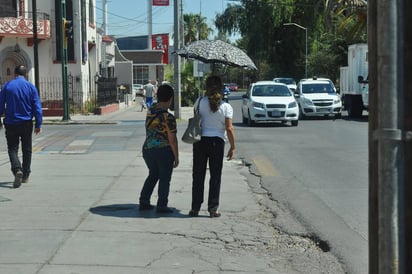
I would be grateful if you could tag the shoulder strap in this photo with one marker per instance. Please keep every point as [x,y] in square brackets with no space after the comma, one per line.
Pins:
[198,104]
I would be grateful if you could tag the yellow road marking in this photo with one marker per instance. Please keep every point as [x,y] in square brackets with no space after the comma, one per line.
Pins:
[37,149]
[265,167]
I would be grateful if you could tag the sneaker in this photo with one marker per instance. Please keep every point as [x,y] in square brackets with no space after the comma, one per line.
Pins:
[164,209]
[25,179]
[18,178]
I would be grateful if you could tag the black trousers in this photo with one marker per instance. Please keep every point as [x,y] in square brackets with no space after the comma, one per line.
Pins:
[14,134]
[207,150]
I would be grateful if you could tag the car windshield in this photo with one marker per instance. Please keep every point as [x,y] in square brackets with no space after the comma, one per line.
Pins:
[287,81]
[271,91]
[318,88]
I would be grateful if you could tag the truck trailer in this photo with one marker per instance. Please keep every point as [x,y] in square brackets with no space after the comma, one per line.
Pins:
[353,82]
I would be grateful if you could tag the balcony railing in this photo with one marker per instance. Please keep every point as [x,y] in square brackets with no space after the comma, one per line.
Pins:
[22,26]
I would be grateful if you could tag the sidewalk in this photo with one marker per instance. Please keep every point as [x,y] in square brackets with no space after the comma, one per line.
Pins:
[79,215]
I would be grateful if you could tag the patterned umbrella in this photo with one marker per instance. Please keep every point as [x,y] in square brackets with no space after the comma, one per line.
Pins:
[217,52]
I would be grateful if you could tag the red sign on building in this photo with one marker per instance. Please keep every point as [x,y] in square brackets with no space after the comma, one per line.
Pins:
[160,2]
[161,42]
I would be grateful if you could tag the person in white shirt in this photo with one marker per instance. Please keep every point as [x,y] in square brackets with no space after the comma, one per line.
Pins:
[149,92]
[217,118]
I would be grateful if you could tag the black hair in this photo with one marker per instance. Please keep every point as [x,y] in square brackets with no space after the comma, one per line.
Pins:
[20,70]
[164,93]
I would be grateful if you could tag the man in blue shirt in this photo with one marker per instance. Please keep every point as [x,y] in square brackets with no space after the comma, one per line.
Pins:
[20,102]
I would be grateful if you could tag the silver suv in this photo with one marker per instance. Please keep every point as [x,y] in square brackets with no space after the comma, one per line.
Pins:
[318,97]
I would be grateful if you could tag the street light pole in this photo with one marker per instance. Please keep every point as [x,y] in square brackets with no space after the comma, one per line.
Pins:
[306,43]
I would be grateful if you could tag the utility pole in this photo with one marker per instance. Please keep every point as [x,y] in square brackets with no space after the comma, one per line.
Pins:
[63,49]
[35,46]
[390,137]
[104,28]
[149,24]
[177,45]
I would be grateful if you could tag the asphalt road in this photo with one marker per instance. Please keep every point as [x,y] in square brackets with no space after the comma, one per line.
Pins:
[319,171]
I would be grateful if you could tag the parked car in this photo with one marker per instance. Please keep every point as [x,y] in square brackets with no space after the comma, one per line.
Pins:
[138,89]
[232,86]
[318,97]
[290,82]
[267,101]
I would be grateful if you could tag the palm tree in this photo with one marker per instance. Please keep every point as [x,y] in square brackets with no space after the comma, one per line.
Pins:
[195,28]
[351,16]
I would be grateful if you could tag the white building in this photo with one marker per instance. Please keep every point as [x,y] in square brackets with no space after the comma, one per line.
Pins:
[83,49]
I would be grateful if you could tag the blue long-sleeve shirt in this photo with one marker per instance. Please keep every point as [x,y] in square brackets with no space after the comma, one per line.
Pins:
[20,101]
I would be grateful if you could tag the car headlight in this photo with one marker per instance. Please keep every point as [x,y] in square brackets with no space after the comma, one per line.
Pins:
[336,101]
[292,105]
[258,105]
[306,101]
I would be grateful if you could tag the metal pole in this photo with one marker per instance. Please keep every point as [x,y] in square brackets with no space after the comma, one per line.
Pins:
[373,224]
[388,134]
[306,53]
[35,46]
[177,44]
[149,24]
[306,44]
[404,17]
[63,48]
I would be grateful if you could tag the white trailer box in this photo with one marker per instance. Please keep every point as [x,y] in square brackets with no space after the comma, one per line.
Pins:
[354,80]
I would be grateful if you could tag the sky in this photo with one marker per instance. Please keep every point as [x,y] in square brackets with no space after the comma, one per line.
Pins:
[129,17]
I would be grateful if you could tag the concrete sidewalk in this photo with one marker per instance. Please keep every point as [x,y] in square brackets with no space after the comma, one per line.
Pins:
[79,215]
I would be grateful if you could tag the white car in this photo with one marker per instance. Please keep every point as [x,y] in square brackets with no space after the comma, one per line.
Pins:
[138,90]
[290,82]
[318,97]
[267,101]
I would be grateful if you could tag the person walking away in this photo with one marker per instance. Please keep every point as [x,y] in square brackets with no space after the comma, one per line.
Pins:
[160,151]
[149,89]
[216,119]
[226,92]
[20,102]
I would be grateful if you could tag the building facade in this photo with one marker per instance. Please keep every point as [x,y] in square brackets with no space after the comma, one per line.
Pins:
[83,50]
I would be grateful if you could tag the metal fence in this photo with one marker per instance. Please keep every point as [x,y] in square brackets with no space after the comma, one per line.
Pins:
[104,93]
[51,94]
[108,92]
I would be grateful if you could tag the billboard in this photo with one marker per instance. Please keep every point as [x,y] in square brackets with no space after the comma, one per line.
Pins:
[161,42]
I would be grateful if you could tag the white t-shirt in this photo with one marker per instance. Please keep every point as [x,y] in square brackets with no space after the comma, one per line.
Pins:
[213,123]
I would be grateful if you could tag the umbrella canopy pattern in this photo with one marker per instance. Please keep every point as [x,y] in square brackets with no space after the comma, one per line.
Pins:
[217,52]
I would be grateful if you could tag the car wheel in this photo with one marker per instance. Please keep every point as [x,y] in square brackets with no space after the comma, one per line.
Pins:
[294,123]
[338,116]
[244,120]
[249,120]
[301,115]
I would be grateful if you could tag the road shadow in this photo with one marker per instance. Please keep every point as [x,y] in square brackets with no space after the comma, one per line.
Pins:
[363,119]
[132,211]
[6,184]
[263,124]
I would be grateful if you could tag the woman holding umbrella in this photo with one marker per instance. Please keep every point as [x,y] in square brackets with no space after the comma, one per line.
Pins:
[217,118]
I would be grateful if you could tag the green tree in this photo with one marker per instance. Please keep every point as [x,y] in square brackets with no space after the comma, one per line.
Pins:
[279,50]
[349,18]
[195,28]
